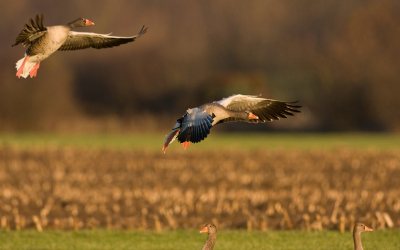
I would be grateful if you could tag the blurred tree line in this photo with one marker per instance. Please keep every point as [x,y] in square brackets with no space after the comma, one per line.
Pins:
[341,59]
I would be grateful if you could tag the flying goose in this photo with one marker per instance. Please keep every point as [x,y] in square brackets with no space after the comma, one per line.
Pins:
[195,124]
[44,41]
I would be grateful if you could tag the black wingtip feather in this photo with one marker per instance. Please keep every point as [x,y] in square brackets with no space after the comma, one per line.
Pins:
[142,31]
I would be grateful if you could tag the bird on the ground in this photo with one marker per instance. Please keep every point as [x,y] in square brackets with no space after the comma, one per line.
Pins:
[195,124]
[211,229]
[44,41]
[358,228]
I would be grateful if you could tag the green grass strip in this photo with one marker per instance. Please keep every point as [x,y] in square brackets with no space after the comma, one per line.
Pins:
[218,140]
[188,239]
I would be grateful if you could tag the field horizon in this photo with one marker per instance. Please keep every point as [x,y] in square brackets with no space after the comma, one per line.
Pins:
[217,140]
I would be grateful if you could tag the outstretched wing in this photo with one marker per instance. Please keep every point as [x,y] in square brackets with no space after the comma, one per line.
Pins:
[84,40]
[31,31]
[195,126]
[265,109]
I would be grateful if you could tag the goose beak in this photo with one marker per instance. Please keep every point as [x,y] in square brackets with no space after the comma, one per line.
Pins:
[204,230]
[87,23]
[368,229]
[252,116]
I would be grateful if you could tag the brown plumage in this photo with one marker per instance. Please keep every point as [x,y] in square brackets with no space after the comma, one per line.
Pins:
[44,41]
[31,31]
[358,228]
[195,124]
[212,231]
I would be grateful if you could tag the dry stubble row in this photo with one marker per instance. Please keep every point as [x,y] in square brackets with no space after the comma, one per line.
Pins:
[65,188]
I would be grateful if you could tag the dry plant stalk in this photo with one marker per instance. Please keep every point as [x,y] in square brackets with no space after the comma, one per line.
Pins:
[157,223]
[17,222]
[249,225]
[342,223]
[335,210]
[352,222]
[306,218]
[381,220]
[37,223]
[3,222]
[263,224]
[289,223]
[388,220]
[76,224]
[22,221]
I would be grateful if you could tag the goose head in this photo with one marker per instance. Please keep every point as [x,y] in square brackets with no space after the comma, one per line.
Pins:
[360,227]
[209,228]
[81,22]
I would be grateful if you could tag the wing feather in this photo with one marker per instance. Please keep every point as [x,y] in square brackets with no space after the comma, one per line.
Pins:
[265,109]
[195,126]
[32,31]
[84,40]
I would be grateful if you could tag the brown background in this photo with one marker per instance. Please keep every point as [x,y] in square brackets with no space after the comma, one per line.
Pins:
[339,58]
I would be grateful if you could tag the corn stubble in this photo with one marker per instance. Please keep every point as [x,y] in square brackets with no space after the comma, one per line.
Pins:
[74,189]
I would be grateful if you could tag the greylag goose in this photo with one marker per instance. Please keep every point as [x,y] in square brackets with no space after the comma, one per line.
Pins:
[358,228]
[195,124]
[212,236]
[44,41]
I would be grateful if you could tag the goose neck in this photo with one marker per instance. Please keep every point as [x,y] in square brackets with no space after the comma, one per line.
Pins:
[357,240]
[210,242]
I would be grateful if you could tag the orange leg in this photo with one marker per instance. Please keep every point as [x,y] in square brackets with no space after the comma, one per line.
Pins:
[185,144]
[34,69]
[21,69]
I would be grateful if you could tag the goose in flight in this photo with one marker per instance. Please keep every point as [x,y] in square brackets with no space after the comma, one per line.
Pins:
[195,124]
[44,41]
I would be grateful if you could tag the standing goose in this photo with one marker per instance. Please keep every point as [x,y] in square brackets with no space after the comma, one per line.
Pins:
[358,228]
[44,41]
[212,236]
[195,124]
